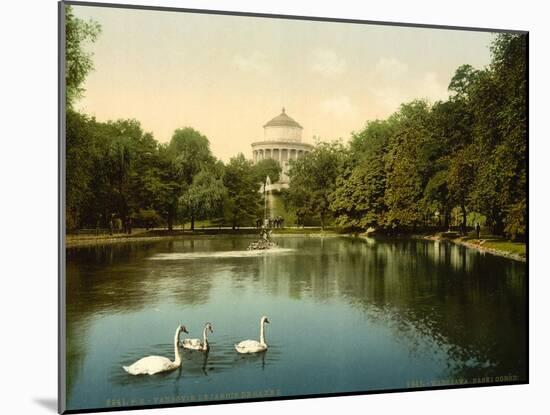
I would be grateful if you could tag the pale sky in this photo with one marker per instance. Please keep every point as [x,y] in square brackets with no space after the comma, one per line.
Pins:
[226,76]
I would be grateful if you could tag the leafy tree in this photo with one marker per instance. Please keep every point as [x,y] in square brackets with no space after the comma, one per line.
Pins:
[358,198]
[451,181]
[267,168]
[408,164]
[191,152]
[185,156]
[79,163]
[243,198]
[78,62]
[313,179]
[498,100]
[204,198]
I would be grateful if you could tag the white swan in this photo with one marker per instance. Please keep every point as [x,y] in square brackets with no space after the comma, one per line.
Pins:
[253,346]
[197,344]
[151,365]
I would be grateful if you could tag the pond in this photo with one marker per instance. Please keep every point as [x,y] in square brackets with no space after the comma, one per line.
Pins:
[347,314]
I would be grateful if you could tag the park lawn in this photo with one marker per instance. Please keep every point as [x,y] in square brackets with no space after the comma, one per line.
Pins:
[517,248]
[500,244]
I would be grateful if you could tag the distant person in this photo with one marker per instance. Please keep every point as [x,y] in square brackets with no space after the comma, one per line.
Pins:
[478,229]
[129,226]
[111,226]
[118,224]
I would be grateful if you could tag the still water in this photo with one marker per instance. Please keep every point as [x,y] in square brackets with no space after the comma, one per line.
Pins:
[346,314]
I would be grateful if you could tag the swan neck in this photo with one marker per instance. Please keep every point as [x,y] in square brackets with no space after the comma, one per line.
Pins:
[204,339]
[177,359]
[262,332]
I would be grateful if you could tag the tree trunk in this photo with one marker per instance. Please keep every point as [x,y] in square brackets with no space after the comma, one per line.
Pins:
[192,222]
[464,214]
[498,227]
[170,221]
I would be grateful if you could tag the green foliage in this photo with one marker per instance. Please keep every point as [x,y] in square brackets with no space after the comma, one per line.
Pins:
[465,155]
[313,179]
[190,152]
[79,161]
[462,158]
[243,201]
[408,165]
[358,198]
[267,168]
[204,198]
[499,104]
[78,62]
[147,218]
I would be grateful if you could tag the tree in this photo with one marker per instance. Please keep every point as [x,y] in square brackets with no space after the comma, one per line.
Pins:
[267,168]
[203,198]
[358,198]
[186,155]
[408,164]
[78,62]
[79,161]
[243,198]
[452,128]
[498,101]
[313,179]
[191,152]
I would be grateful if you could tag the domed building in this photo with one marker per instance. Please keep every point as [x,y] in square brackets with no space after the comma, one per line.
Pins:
[282,142]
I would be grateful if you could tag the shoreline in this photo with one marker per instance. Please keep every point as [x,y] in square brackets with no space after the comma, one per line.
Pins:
[75,241]
[82,241]
[479,246]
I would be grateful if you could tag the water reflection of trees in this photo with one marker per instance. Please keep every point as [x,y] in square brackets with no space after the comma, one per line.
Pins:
[121,278]
[466,307]
[470,306]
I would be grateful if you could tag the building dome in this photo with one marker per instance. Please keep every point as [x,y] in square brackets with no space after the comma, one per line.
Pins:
[282,128]
[282,120]
[282,142]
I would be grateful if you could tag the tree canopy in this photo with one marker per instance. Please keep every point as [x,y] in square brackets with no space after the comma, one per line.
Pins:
[78,61]
[425,165]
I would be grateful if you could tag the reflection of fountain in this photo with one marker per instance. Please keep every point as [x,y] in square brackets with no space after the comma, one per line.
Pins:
[265,242]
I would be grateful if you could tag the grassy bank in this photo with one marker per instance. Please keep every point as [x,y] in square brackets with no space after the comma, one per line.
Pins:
[487,243]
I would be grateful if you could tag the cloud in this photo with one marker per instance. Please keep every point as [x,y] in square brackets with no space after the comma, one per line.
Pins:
[431,88]
[254,63]
[393,83]
[327,63]
[390,69]
[340,107]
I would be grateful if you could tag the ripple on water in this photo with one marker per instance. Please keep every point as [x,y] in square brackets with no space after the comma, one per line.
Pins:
[221,357]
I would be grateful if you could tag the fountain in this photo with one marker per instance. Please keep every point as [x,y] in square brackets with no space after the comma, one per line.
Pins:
[264,241]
